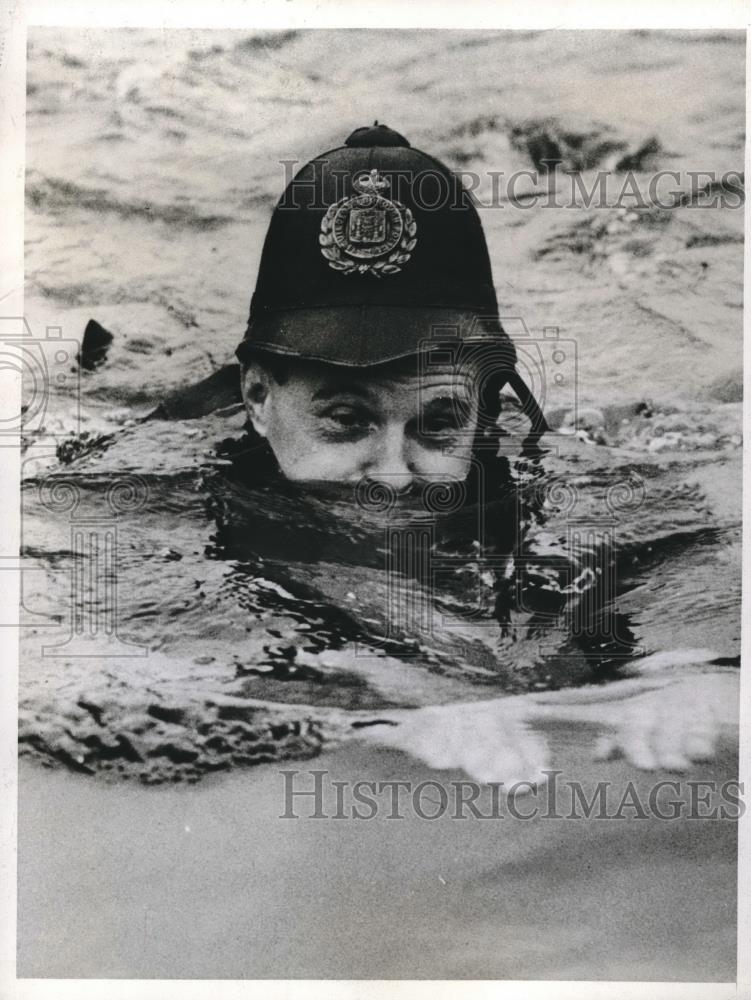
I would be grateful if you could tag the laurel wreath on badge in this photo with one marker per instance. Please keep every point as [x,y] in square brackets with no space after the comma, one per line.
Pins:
[368,233]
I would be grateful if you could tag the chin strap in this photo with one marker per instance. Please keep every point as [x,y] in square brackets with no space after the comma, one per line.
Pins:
[531,410]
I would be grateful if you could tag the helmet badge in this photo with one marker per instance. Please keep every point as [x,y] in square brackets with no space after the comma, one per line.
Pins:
[368,233]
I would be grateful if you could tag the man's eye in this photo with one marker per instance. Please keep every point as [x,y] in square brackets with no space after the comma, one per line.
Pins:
[347,416]
[434,426]
[345,423]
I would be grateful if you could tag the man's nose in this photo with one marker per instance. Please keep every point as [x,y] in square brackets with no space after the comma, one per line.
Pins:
[391,462]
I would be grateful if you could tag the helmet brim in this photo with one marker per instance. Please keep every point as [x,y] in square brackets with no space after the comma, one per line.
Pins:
[363,335]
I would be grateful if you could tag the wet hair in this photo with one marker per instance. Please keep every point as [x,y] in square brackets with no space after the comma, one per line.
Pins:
[278,366]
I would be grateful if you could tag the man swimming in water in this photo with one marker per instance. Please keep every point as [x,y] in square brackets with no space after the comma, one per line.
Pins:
[375,353]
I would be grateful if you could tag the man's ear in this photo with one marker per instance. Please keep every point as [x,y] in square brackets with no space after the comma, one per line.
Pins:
[256,386]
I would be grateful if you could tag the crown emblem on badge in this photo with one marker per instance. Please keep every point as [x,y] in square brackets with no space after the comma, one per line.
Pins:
[371,183]
[368,233]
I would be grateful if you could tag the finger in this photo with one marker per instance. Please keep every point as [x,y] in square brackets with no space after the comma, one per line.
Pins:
[700,745]
[669,752]
[534,759]
[634,741]
[699,727]
[514,754]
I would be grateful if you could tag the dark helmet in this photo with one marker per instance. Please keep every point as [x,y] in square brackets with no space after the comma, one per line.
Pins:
[375,252]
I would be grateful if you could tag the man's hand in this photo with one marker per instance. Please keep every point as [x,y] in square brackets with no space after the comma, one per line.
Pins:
[488,740]
[656,723]
[670,715]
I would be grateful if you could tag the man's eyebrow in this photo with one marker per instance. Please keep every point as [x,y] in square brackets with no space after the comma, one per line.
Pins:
[333,389]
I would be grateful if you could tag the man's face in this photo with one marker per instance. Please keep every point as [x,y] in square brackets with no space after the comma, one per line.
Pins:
[387,423]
